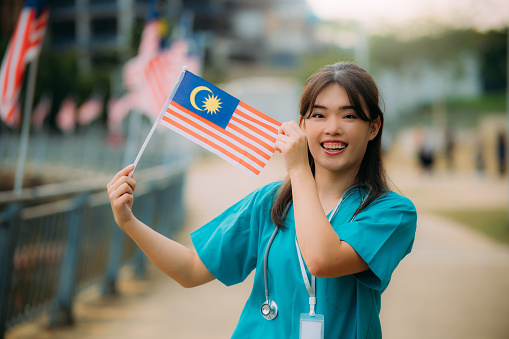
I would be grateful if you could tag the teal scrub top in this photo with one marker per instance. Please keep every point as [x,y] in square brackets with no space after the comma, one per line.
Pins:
[233,244]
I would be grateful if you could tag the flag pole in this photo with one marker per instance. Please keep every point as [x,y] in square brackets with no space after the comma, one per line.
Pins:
[160,117]
[27,110]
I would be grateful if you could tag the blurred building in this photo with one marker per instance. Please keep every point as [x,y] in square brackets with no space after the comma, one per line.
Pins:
[108,31]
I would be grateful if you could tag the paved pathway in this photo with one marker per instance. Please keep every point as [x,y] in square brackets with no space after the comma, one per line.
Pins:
[453,285]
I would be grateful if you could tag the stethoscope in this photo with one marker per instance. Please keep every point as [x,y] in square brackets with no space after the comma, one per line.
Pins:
[269,307]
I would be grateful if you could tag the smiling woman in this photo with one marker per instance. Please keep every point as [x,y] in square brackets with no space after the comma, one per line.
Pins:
[334,230]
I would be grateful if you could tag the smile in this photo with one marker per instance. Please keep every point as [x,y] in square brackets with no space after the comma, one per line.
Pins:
[333,146]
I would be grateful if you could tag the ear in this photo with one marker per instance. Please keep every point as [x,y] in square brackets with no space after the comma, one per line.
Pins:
[374,127]
[302,123]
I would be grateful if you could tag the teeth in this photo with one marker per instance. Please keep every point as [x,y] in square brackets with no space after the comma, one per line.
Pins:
[333,147]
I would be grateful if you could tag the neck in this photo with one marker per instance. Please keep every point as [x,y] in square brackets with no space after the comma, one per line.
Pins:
[330,186]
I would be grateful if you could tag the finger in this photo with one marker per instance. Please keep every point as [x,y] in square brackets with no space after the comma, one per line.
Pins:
[112,186]
[122,189]
[124,199]
[121,173]
[290,128]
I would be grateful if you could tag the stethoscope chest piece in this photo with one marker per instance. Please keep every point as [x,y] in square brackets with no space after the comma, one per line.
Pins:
[269,309]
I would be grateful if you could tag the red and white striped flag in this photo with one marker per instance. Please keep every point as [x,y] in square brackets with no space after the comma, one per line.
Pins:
[221,123]
[160,74]
[118,109]
[23,48]
[66,116]
[150,44]
[90,110]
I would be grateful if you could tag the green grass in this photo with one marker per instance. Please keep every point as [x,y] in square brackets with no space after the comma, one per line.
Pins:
[494,223]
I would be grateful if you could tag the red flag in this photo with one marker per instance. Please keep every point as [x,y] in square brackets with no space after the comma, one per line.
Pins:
[41,111]
[66,116]
[150,44]
[118,109]
[222,124]
[23,48]
[161,73]
[90,110]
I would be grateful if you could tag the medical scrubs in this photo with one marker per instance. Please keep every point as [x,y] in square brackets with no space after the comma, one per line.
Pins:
[234,243]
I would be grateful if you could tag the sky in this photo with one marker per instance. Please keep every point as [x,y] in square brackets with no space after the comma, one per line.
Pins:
[376,14]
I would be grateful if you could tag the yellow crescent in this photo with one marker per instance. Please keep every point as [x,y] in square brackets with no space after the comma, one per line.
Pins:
[193,95]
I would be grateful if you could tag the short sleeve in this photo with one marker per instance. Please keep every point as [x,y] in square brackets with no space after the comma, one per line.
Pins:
[382,234]
[228,245]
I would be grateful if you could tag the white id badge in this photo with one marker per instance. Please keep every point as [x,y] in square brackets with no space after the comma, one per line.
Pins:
[311,327]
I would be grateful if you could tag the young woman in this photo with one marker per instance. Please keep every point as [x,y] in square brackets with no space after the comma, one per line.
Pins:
[324,242]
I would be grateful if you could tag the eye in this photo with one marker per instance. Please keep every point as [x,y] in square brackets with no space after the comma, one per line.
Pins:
[317,115]
[350,116]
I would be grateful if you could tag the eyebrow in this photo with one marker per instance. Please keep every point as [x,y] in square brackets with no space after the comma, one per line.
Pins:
[342,108]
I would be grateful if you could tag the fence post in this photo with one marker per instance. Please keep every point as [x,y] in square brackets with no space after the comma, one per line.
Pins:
[146,213]
[61,310]
[9,226]
[181,197]
[109,286]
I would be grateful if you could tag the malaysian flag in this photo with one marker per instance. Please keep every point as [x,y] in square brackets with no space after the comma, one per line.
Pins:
[23,48]
[90,110]
[118,108]
[221,123]
[66,116]
[160,74]
[150,44]
[41,111]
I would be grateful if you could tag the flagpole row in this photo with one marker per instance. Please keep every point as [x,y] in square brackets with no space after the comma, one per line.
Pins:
[159,117]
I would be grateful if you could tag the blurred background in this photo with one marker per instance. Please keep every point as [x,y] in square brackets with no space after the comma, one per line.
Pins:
[82,82]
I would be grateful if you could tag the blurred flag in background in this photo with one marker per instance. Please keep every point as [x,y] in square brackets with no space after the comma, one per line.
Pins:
[90,109]
[24,47]
[41,111]
[66,116]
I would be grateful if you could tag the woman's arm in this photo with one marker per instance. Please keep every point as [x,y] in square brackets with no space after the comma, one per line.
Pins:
[177,261]
[325,254]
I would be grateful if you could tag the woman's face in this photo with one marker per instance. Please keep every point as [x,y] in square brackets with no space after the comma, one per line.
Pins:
[337,137]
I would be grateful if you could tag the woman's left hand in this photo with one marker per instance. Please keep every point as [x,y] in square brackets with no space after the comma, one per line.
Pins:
[292,142]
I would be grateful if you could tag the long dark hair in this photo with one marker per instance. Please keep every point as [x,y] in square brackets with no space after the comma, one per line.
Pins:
[364,96]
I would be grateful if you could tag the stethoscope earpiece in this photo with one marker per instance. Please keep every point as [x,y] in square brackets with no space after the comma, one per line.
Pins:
[269,309]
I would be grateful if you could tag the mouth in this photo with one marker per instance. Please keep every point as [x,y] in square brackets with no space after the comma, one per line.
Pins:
[333,147]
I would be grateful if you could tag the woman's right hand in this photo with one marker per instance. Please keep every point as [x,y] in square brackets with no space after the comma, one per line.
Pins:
[120,191]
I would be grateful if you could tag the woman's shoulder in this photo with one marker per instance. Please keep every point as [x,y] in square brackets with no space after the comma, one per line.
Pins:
[264,194]
[268,191]
[394,199]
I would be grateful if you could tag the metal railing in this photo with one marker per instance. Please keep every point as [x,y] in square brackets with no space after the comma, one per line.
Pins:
[49,252]
[59,238]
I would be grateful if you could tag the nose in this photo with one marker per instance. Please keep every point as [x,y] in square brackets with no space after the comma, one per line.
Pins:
[334,125]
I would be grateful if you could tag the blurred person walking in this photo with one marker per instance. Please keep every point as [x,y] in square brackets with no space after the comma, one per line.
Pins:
[450,144]
[479,154]
[333,218]
[501,153]
[426,151]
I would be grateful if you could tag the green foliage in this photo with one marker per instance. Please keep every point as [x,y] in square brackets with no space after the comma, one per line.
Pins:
[493,223]
[59,76]
[313,61]
[465,112]
[389,51]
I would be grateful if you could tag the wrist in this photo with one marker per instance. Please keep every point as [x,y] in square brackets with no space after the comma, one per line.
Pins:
[128,225]
[300,173]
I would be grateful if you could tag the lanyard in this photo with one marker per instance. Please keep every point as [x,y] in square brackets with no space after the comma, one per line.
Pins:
[311,287]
